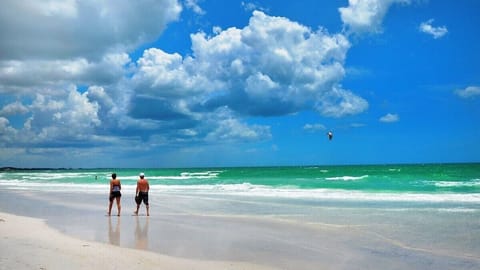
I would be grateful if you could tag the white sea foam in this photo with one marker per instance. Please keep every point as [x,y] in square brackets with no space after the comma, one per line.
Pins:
[250,190]
[183,176]
[472,183]
[53,187]
[457,210]
[52,176]
[247,189]
[346,178]
[207,174]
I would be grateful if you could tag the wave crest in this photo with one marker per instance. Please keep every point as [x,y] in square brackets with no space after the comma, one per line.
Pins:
[346,178]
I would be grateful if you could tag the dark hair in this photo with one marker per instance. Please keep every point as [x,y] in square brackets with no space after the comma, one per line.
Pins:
[114,175]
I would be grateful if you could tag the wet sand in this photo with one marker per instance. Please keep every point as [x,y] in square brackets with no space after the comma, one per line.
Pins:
[214,232]
[28,243]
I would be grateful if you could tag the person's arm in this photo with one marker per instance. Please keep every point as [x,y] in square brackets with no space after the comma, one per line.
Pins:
[136,191]
[111,186]
[148,186]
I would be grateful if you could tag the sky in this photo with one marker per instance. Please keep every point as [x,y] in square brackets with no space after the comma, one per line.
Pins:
[214,83]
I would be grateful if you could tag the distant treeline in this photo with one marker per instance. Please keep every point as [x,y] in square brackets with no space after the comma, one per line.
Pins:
[6,169]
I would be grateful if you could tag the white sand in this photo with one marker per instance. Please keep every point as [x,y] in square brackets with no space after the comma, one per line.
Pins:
[28,243]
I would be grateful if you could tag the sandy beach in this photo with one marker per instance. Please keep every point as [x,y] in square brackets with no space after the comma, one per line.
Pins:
[56,230]
[28,243]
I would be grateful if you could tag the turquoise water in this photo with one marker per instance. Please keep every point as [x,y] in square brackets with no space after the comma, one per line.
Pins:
[461,181]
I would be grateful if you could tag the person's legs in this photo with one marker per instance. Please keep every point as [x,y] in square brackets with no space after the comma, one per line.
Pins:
[110,207]
[110,204]
[145,201]
[119,207]
[142,197]
[138,201]
[136,212]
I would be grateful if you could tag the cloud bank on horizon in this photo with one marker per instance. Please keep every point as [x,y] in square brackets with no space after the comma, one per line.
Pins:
[68,80]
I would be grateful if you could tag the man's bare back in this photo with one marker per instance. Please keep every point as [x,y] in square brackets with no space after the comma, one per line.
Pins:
[142,185]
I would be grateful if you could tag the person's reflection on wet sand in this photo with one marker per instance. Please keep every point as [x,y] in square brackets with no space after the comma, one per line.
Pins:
[141,233]
[114,234]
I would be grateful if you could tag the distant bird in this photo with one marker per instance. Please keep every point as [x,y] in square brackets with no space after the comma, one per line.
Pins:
[330,135]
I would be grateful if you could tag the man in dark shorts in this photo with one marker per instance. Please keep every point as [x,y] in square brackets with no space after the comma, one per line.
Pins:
[142,193]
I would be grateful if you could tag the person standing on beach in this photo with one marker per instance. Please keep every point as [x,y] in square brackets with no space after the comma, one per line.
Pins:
[115,188]
[142,193]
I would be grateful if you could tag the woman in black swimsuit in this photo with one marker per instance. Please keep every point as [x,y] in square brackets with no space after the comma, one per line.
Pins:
[115,188]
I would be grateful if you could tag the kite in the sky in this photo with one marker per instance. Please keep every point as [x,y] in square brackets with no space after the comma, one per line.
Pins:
[330,135]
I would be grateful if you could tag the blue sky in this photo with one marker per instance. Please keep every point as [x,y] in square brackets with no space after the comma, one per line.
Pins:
[187,83]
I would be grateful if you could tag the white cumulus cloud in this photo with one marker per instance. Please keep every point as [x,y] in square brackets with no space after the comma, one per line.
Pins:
[273,66]
[67,29]
[78,87]
[251,6]
[47,45]
[193,5]
[28,76]
[15,108]
[56,118]
[234,130]
[435,31]
[314,127]
[68,63]
[366,16]
[389,118]
[7,133]
[469,92]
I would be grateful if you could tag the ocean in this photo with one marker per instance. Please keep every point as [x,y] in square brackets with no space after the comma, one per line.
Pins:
[452,185]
